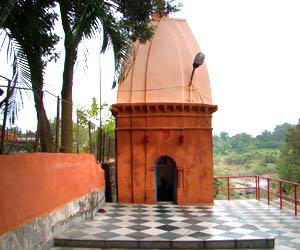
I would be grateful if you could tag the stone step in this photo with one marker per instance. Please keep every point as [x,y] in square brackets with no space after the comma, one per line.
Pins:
[84,248]
[267,243]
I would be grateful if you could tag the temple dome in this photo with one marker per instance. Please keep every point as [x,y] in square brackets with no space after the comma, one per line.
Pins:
[160,70]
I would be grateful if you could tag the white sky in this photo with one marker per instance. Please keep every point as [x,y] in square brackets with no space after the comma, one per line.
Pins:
[252,50]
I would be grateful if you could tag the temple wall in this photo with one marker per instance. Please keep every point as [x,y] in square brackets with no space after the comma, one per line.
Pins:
[42,194]
[144,136]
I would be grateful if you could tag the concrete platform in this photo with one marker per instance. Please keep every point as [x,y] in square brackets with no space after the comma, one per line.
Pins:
[225,225]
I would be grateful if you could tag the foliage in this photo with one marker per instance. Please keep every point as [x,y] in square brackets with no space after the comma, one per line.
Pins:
[289,160]
[119,22]
[28,29]
[86,129]
[245,154]
[5,9]
[241,143]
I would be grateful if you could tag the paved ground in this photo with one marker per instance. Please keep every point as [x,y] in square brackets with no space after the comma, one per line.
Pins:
[236,219]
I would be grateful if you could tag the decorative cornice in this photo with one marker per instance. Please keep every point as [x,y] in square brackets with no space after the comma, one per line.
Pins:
[152,108]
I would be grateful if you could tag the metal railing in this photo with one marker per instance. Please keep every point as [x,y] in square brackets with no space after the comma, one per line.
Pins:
[284,190]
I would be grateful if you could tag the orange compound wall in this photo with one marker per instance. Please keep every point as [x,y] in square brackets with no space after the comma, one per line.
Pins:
[10,137]
[33,185]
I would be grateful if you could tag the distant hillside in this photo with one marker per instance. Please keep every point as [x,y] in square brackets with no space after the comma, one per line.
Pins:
[244,154]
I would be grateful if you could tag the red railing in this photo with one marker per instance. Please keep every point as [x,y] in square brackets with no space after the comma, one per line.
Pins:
[261,184]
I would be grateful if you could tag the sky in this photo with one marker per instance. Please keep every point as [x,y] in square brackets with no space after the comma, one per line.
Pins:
[252,50]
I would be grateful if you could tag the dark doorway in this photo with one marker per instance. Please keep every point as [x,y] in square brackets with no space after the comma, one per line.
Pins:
[165,179]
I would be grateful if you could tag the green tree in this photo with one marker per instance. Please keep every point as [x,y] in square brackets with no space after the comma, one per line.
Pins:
[264,140]
[289,160]
[119,21]
[222,143]
[241,142]
[29,26]
[279,134]
[87,122]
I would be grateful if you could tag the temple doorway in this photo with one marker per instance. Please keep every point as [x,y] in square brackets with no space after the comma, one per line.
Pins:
[165,170]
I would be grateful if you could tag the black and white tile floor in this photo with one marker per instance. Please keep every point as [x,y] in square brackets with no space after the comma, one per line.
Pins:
[227,224]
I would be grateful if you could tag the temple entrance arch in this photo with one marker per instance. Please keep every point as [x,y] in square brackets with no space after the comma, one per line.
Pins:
[165,175]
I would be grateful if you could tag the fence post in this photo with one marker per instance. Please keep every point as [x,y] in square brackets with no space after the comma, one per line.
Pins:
[257,187]
[228,189]
[280,193]
[296,199]
[268,179]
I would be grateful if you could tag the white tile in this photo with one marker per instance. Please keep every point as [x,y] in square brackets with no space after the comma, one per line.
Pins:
[152,224]
[123,231]
[153,231]
[207,224]
[185,238]
[212,231]
[234,224]
[179,224]
[125,224]
[177,218]
[242,231]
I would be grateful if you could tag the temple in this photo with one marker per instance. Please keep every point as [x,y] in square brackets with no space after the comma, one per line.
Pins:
[164,150]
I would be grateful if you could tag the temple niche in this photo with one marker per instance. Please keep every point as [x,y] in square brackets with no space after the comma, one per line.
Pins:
[164,150]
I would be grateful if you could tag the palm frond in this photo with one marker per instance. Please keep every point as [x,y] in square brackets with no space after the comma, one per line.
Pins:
[96,17]
[120,43]
[20,78]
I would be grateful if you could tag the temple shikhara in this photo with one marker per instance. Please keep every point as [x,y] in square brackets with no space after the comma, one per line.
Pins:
[164,150]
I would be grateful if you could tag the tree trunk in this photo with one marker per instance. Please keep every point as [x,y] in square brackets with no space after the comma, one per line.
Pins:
[36,69]
[66,103]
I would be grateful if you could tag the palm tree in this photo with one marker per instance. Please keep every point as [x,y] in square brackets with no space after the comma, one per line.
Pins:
[5,8]
[118,21]
[29,26]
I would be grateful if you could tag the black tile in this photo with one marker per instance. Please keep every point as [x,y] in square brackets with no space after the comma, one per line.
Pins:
[138,227]
[167,228]
[109,227]
[200,235]
[107,235]
[184,211]
[138,210]
[138,215]
[113,215]
[113,205]
[138,235]
[224,227]
[196,228]
[203,208]
[138,221]
[190,221]
[170,236]
[162,211]
[164,215]
[111,220]
[165,221]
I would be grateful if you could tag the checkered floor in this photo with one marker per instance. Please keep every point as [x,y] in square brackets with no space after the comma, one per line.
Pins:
[225,221]
[283,225]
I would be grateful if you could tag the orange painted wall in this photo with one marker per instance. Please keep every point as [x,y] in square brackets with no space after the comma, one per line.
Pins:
[33,185]
[141,141]
[10,137]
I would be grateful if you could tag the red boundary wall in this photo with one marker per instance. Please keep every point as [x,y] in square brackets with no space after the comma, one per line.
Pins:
[33,185]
